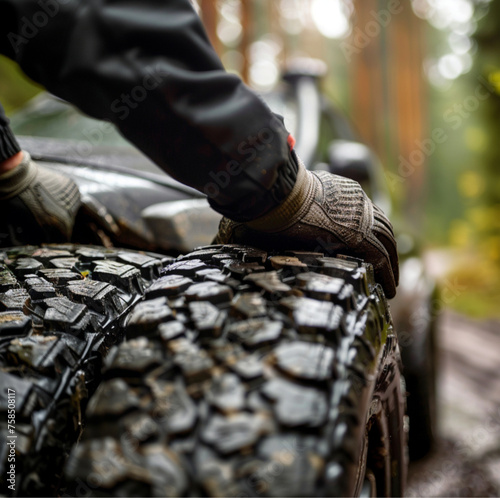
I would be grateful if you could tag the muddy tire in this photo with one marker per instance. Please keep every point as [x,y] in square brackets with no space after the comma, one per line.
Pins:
[249,375]
[61,309]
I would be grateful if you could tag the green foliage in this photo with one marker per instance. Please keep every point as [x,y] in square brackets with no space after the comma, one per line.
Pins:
[15,87]
[485,216]
[478,229]
[478,281]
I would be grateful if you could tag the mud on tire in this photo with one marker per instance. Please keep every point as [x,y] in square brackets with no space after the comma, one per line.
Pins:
[61,308]
[245,374]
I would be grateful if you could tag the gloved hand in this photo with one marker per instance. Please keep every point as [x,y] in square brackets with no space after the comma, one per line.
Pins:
[38,205]
[324,213]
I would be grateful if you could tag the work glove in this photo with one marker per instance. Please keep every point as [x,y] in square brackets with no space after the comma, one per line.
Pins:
[324,213]
[37,204]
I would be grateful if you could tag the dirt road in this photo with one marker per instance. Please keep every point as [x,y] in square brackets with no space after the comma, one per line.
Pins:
[466,461]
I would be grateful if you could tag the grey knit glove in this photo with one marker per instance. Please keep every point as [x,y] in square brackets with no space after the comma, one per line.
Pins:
[50,198]
[324,213]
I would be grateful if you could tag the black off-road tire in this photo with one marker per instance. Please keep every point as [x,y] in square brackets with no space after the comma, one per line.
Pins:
[420,360]
[61,308]
[244,374]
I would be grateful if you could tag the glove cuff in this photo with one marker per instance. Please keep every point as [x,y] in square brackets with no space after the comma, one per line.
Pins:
[8,143]
[14,181]
[299,199]
[257,201]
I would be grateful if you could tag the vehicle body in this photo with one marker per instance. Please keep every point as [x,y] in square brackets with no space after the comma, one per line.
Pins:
[129,202]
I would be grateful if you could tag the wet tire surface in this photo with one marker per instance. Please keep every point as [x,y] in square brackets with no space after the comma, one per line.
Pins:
[241,373]
[61,308]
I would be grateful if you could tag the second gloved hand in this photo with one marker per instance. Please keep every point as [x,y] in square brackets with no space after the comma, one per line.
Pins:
[324,213]
[40,205]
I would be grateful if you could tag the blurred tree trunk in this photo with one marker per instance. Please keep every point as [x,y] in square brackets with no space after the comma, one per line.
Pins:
[406,83]
[247,37]
[367,95]
[209,16]
[389,93]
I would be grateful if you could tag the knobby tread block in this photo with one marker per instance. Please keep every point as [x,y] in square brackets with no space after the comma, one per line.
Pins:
[243,373]
[61,308]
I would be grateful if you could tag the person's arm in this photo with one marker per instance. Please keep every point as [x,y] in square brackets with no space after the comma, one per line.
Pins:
[148,67]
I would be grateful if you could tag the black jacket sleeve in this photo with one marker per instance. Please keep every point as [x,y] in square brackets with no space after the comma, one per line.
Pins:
[148,67]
